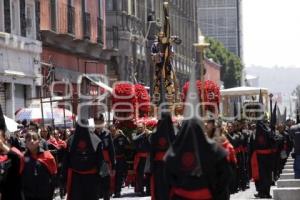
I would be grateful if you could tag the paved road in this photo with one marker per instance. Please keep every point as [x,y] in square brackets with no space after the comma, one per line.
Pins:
[128,194]
[245,195]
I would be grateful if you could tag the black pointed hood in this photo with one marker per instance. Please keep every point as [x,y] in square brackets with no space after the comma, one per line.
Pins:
[273,118]
[164,134]
[284,115]
[2,120]
[83,139]
[260,100]
[190,149]
[191,146]
[297,115]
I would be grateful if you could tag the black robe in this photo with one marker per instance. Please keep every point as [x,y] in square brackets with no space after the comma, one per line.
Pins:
[160,141]
[262,158]
[11,166]
[83,164]
[121,144]
[196,166]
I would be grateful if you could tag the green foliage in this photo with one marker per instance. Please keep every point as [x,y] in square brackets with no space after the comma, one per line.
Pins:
[296,92]
[232,67]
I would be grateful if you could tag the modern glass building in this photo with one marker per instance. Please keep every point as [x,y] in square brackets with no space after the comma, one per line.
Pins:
[221,19]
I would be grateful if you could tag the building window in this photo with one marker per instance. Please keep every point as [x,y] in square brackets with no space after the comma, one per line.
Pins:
[125,5]
[100,9]
[30,19]
[1,16]
[37,20]
[53,14]
[23,17]
[109,5]
[15,17]
[71,17]
[133,8]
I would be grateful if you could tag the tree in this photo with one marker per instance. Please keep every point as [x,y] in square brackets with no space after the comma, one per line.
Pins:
[232,67]
[296,92]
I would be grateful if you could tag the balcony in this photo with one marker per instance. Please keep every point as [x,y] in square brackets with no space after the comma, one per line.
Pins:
[69,28]
[86,26]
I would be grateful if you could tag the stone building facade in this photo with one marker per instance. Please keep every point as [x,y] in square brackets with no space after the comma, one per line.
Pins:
[19,54]
[132,26]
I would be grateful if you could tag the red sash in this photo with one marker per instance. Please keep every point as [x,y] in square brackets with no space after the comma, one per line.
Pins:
[3,158]
[48,161]
[254,162]
[159,156]
[198,194]
[231,157]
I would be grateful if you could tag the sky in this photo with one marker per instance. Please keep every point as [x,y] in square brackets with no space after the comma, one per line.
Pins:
[271,33]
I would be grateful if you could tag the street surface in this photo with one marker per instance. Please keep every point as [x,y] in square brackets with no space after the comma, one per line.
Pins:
[128,194]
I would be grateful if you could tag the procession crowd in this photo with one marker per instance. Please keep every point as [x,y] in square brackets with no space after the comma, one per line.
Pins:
[187,160]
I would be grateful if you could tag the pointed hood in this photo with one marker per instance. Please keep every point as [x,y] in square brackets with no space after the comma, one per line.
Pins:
[83,139]
[261,134]
[164,134]
[284,115]
[273,118]
[2,120]
[279,117]
[260,100]
[191,145]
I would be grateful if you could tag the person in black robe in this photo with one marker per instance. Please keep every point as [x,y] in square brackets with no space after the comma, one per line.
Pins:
[11,167]
[121,144]
[39,170]
[160,142]
[108,151]
[262,159]
[243,138]
[142,148]
[277,149]
[197,168]
[234,141]
[286,146]
[83,165]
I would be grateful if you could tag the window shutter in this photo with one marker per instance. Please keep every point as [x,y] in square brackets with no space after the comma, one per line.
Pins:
[23,18]
[37,20]
[7,24]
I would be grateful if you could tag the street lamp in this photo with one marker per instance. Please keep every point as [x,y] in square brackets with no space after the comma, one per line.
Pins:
[200,47]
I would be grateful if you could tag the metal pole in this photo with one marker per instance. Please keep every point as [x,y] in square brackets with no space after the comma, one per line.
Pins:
[271,104]
[200,48]
[52,121]
[202,80]
[42,109]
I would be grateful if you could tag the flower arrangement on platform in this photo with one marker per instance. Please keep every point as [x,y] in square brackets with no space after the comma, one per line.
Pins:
[136,99]
[211,92]
[124,94]
[143,99]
